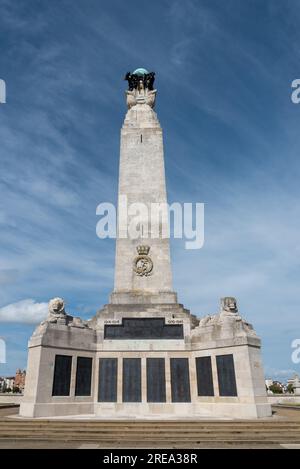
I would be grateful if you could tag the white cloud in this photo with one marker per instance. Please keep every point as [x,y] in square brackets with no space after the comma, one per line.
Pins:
[283,374]
[24,311]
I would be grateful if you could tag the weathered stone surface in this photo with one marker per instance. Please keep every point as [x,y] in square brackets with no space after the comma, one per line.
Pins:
[142,180]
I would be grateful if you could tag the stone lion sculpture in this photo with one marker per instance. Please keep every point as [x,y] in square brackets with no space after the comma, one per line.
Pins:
[56,309]
[229,311]
[227,318]
[57,315]
[229,304]
[229,308]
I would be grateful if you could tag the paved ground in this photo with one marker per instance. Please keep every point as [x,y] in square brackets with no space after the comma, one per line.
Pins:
[284,428]
[49,445]
[285,412]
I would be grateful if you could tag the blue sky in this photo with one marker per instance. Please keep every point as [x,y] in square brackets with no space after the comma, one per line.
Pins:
[224,73]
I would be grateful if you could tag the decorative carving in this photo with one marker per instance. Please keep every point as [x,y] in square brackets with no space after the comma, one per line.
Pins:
[140,88]
[142,264]
[56,310]
[228,317]
[207,320]
[140,80]
[130,99]
[78,322]
[229,309]
[57,315]
[136,97]
[143,250]
[229,305]
[248,328]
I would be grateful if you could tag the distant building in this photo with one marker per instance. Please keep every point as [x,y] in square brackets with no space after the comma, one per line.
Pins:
[9,382]
[295,382]
[20,379]
[269,382]
[14,383]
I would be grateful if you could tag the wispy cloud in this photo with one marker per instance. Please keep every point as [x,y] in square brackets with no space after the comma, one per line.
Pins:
[278,374]
[25,311]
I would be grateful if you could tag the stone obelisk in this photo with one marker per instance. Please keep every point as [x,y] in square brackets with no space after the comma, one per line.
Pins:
[143,267]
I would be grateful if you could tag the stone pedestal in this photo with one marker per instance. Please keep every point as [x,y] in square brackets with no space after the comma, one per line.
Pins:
[217,360]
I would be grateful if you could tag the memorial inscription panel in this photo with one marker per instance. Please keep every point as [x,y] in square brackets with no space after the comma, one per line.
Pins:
[107,385]
[83,376]
[132,390]
[226,375]
[180,380]
[143,328]
[156,380]
[62,375]
[204,376]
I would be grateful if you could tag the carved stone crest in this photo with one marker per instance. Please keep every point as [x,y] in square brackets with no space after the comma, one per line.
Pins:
[142,264]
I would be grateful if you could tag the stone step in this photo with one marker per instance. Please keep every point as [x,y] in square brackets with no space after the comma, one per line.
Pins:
[148,440]
[152,430]
[118,431]
[146,429]
[157,432]
[137,423]
[99,433]
[75,421]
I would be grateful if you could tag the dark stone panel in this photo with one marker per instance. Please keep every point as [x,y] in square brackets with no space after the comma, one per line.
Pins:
[226,375]
[83,376]
[132,389]
[180,380]
[143,328]
[156,380]
[107,386]
[62,375]
[204,376]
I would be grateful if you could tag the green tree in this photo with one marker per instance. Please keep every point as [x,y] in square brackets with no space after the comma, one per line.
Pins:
[275,388]
[290,388]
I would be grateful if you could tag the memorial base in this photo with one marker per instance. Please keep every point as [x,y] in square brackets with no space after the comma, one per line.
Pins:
[151,361]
